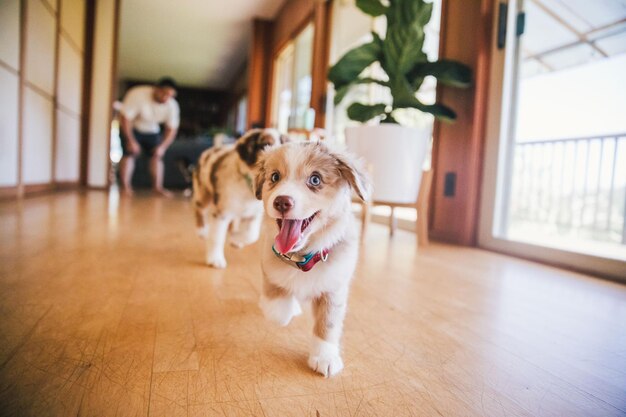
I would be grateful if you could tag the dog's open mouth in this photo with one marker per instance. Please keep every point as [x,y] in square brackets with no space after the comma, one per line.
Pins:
[290,232]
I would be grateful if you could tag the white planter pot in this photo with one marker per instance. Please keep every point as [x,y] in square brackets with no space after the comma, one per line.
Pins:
[395,155]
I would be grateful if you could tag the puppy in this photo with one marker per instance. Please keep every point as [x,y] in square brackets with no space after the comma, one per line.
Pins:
[310,240]
[223,193]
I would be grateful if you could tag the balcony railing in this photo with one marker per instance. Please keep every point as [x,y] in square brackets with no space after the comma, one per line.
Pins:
[573,187]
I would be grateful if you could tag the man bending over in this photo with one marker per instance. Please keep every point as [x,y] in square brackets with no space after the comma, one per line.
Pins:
[144,109]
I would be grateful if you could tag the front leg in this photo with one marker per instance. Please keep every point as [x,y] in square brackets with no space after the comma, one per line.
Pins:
[277,304]
[329,310]
[218,228]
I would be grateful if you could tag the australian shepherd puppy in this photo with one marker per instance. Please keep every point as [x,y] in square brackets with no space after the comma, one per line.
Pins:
[223,194]
[309,246]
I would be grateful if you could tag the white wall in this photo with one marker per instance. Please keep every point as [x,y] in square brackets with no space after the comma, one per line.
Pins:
[69,91]
[101,100]
[9,85]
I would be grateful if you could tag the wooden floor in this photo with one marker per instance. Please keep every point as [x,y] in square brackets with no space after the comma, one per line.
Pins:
[107,310]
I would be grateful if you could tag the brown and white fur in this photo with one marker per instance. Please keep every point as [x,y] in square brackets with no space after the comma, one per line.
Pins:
[223,196]
[284,173]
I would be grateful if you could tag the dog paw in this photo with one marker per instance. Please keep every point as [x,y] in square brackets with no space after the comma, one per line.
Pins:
[202,232]
[324,358]
[237,244]
[216,261]
[240,240]
[280,310]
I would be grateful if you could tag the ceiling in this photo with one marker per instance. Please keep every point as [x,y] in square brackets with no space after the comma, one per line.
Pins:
[200,43]
[565,33]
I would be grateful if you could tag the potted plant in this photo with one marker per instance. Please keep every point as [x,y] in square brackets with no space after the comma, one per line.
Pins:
[396,153]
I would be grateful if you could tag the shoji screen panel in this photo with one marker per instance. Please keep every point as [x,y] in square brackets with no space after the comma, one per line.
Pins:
[37,138]
[73,21]
[9,85]
[38,105]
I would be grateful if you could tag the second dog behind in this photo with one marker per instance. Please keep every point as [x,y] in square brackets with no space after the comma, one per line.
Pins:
[223,196]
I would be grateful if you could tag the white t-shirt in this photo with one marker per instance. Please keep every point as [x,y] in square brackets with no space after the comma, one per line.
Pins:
[145,113]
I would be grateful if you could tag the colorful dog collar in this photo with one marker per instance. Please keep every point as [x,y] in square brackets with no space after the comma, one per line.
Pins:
[305,262]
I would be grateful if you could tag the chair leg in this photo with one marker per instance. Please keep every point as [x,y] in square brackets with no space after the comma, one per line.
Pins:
[422,207]
[421,228]
[393,222]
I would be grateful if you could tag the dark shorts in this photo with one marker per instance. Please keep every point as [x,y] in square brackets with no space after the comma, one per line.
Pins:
[147,142]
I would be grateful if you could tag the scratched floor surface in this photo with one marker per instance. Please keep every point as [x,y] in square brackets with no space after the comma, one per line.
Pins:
[107,310]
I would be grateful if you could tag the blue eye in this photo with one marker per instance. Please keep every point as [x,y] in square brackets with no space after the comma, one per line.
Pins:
[315,180]
[275,177]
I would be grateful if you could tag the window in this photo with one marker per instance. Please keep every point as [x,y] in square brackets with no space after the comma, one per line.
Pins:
[291,96]
[559,143]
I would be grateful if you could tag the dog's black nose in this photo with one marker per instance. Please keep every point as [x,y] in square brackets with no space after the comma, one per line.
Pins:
[283,203]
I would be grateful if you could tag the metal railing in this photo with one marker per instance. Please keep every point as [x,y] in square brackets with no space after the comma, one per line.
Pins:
[573,186]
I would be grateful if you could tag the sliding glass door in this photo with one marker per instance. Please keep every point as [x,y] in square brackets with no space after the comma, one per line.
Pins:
[557,137]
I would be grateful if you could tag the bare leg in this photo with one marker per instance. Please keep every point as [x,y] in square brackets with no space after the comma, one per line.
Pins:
[202,227]
[218,228]
[156,170]
[200,205]
[277,304]
[329,310]
[127,167]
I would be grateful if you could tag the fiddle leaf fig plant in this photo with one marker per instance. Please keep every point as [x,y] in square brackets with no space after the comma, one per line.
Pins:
[401,56]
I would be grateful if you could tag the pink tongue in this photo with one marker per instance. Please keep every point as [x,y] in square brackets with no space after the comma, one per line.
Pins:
[288,236]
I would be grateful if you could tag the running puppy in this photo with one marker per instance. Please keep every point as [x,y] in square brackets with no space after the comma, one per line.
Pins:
[310,240]
[222,193]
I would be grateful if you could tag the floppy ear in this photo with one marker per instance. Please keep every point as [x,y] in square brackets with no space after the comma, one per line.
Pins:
[267,138]
[259,180]
[246,146]
[354,172]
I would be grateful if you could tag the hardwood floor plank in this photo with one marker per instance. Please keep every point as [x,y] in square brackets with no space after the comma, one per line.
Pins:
[107,310]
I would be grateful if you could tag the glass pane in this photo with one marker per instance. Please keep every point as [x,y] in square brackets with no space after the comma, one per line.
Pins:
[302,79]
[283,76]
[568,179]
[291,97]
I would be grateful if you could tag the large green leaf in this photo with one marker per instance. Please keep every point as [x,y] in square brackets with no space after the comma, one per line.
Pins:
[402,48]
[402,92]
[363,112]
[446,72]
[354,62]
[440,111]
[409,13]
[371,7]
[341,92]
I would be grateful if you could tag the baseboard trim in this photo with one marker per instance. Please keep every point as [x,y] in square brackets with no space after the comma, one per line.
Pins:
[8,192]
[38,188]
[12,192]
[67,185]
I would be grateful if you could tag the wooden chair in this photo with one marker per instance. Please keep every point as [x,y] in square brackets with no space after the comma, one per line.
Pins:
[421,205]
